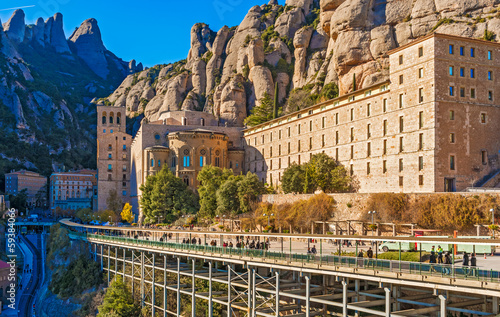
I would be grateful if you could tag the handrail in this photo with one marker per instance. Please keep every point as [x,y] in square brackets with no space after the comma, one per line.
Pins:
[426,269]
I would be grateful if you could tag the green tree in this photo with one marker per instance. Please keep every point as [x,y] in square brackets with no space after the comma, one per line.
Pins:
[19,201]
[249,188]
[293,179]
[263,112]
[211,178]
[227,202]
[127,214]
[166,195]
[118,301]
[114,202]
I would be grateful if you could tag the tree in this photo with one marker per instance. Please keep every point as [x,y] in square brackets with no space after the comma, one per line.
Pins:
[263,112]
[249,188]
[226,196]
[19,201]
[118,301]
[166,195]
[321,172]
[127,214]
[293,179]
[114,202]
[210,178]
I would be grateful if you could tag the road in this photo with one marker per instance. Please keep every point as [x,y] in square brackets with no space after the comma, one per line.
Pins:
[29,290]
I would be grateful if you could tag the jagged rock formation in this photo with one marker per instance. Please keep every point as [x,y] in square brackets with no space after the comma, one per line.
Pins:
[304,45]
[46,84]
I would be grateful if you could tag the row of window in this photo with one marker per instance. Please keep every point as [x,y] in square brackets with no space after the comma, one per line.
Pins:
[451,92]
[186,162]
[472,51]
[110,119]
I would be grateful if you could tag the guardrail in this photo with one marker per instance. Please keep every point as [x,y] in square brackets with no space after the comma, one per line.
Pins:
[425,269]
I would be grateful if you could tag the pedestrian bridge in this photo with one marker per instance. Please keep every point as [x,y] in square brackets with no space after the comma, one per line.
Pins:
[167,275]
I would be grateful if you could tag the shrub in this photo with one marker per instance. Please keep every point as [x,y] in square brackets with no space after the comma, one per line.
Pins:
[442,22]
[489,36]
[390,207]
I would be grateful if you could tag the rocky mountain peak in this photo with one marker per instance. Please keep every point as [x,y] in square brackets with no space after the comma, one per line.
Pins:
[89,46]
[15,28]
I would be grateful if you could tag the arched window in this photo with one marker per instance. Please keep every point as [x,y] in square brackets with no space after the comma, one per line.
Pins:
[152,162]
[202,159]
[186,180]
[187,161]
[118,118]
[159,163]
[174,162]
[104,118]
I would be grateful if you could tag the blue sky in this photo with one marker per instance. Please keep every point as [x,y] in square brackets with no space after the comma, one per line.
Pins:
[150,31]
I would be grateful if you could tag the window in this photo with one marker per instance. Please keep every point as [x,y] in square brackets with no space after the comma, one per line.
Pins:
[310,143]
[420,163]
[271,151]
[401,144]
[421,95]
[368,110]
[401,124]
[352,134]
[420,51]
[323,140]
[452,115]
[159,163]
[462,92]
[384,166]
[472,52]
[110,156]
[401,165]
[490,75]
[201,161]
[124,193]
[368,149]
[336,118]
[187,161]
[400,59]
[186,180]
[279,150]
[452,162]
[217,162]
[271,137]
[484,157]
[452,91]
[490,95]
[271,164]
[351,169]
[323,122]
[152,162]
[400,100]
[489,56]
[385,148]
[352,114]
[110,167]
[289,132]
[288,147]
[279,134]
[263,138]
[473,93]
[368,131]
[310,126]
[103,119]
[298,145]
[450,49]
[420,119]
[368,168]
[352,152]
[385,127]
[400,79]
[420,141]
[104,131]
[452,71]
[483,117]
[420,180]
[298,128]
[452,137]
[336,137]
[124,138]
[111,120]
[157,137]
[384,105]
[173,162]
[337,154]
[111,131]
[472,73]
[462,51]
[124,147]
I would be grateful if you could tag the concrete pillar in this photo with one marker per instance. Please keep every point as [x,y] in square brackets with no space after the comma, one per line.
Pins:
[124,264]
[193,288]
[442,310]
[102,253]
[249,301]
[153,288]
[254,295]
[308,296]
[344,298]
[210,302]
[142,279]
[109,264]
[277,294]
[229,270]
[178,286]
[387,302]
[116,262]
[164,286]
[133,266]
[494,303]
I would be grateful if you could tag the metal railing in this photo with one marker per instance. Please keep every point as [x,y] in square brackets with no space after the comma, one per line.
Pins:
[395,266]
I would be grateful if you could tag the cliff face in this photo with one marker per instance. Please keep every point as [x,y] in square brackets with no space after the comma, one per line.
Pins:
[303,46]
[46,84]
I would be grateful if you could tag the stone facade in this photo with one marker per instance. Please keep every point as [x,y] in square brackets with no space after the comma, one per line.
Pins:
[113,154]
[73,190]
[33,182]
[406,135]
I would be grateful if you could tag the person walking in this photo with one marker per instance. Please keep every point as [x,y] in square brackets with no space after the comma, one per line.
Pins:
[313,250]
[369,254]
[473,264]
[440,254]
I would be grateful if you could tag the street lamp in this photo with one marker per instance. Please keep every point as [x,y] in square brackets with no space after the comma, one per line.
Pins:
[159,217]
[373,218]
[110,220]
[268,217]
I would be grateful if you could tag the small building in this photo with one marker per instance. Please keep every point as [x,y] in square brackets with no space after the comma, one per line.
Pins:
[73,190]
[15,182]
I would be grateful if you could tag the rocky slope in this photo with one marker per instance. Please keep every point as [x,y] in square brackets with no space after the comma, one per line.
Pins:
[46,83]
[304,46]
